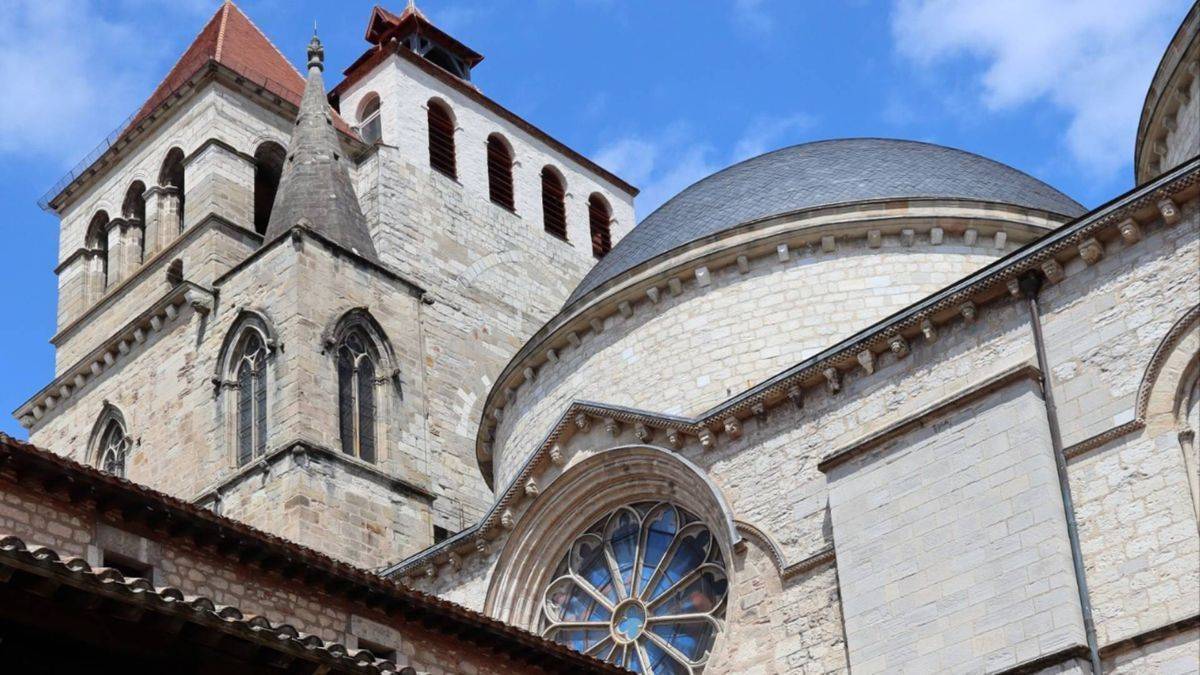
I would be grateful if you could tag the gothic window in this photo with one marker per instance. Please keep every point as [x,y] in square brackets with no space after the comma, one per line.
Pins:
[113,448]
[268,168]
[644,588]
[500,174]
[599,217]
[554,203]
[370,124]
[356,373]
[251,377]
[441,139]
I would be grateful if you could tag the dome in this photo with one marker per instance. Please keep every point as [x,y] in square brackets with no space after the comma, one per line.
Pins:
[823,173]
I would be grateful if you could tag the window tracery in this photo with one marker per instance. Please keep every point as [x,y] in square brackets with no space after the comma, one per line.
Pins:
[356,368]
[644,587]
[250,371]
[113,448]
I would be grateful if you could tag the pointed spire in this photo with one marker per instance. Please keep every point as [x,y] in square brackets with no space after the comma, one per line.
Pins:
[315,188]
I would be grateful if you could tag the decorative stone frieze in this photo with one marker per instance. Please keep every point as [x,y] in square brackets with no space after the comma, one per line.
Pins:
[929,330]
[833,379]
[733,427]
[642,433]
[1130,231]
[1053,271]
[1169,210]
[612,427]
[866,359]
[1091,251]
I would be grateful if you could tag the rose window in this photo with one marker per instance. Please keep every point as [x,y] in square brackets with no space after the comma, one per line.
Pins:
[643,588]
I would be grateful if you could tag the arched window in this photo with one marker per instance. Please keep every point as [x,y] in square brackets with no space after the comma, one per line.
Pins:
[599,218]
[110,444]
[251,377]
[356,373]
[268,167]
[554,203]
[96,241]
[500,175]
[644,588]
[370,125]
[441,139]
[133,209]
[171,175]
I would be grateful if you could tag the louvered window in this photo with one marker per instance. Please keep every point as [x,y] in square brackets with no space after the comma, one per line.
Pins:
[356,397]
[441,140]
[500,178]
[599,217]
[251,398]
[554,207]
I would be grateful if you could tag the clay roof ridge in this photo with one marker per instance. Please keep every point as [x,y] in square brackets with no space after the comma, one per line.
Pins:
[221,29]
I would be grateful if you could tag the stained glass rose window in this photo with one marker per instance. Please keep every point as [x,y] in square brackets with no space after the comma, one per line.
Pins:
[644,588]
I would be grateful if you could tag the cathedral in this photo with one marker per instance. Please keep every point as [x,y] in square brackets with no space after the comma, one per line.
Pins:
[382,378]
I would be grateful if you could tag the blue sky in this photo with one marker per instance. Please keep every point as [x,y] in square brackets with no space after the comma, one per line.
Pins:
[663,92]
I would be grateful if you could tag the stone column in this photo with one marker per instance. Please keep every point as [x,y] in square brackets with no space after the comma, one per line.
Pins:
[162,217]
[133,236]
[116,252]
[152,227]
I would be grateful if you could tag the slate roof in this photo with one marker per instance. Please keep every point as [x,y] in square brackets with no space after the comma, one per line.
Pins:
[822,173]
[315,188]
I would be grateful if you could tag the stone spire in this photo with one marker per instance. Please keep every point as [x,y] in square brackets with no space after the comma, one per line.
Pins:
[315,188]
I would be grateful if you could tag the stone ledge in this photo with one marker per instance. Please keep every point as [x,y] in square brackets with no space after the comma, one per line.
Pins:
[154,318]
[1150,636]
[299,451]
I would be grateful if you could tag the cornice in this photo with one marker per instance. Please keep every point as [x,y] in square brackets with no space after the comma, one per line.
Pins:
[151,320]
[1121,219]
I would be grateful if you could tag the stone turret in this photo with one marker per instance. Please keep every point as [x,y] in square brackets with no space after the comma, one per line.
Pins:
[315,189]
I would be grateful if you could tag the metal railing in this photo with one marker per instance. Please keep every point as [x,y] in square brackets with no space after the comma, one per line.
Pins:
[239,69]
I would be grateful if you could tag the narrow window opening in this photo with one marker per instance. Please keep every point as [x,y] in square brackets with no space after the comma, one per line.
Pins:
[599,220]
[440,534]
[268,169]
[441,140]
[500,178]
[379,651]
[128,567]
[370,123]
[171,175]
[554,207]
[356,396]
[251,378]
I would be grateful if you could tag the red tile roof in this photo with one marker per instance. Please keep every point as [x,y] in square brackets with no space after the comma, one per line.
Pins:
[231,39]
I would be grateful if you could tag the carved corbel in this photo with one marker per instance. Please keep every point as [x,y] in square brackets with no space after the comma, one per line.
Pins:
[795,394]
[1130,231]
[531,488]
[1091,251]
[833,380]
[1053,271]
[674,439]
[1169,210]
[582,421]
[556,455]
[968,310]
[866,359]
[612,426]
[733,427]
[899,346]
[641,432]
[707,440]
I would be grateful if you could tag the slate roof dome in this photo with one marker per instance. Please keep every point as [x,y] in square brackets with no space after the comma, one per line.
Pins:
[823,173]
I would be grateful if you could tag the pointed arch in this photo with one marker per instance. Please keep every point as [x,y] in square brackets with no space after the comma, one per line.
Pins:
[364,365]
[244,371]
[109,444]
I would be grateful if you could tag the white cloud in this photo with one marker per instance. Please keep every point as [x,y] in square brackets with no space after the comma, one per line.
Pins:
[73,73]
[665,163]
[1091,59]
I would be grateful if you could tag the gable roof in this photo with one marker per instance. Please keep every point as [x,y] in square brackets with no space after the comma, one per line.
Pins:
[231,39]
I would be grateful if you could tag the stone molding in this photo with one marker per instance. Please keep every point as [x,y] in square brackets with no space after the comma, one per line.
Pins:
[989,285]
[1043,664]
[115,348]
[823,557]
[210,221]
[1142,404]
[299,451]
[1160,106]
[1149,636]
[1024,371]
